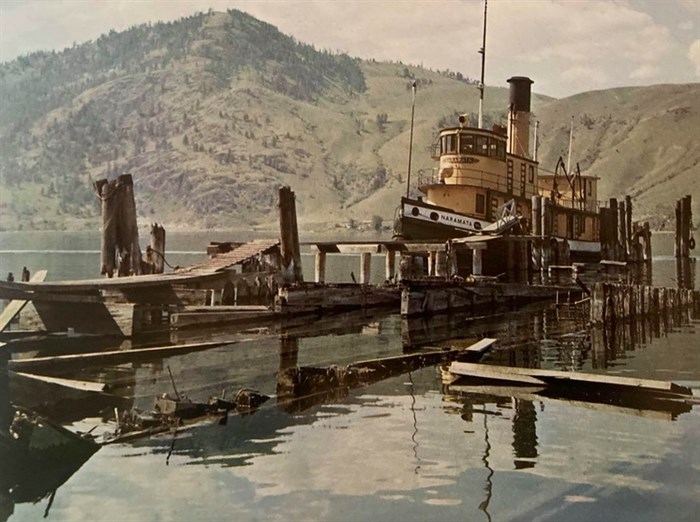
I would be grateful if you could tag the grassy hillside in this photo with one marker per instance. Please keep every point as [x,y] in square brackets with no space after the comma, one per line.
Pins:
[210,114]
[640,141]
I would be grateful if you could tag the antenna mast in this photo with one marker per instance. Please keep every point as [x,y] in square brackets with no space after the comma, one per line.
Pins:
[482,51]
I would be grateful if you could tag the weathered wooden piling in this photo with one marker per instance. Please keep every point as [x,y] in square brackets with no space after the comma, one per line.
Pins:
[684,241]
[157,248]
[365,267]
[107,194]
[628,229]
[390,265]
[536,250]
[289,237]
[622,230]
[128,232]
[546,231]
[320,267]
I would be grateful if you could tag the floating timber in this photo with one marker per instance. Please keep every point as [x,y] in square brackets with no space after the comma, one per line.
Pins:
[535,377]
[646,406]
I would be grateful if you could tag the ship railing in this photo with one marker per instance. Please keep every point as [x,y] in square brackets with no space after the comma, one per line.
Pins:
[478,178]
[579,204]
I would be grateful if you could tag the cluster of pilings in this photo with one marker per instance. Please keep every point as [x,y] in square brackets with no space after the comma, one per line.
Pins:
[620,238]
[120,250]
[611,303]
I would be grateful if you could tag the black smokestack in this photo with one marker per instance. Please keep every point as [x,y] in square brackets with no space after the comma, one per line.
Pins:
[520,93]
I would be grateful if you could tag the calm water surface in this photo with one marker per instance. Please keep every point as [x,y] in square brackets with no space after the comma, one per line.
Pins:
[405,448]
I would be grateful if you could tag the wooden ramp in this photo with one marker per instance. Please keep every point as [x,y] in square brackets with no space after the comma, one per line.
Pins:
[84,289]
[242,253]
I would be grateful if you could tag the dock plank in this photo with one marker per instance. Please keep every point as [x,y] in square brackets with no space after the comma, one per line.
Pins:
[15,306]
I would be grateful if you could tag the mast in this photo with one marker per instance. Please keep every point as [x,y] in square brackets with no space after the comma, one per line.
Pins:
[482,51]
[571,139]
[410,140]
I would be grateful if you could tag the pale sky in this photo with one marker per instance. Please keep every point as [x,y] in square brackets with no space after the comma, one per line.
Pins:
[565,46]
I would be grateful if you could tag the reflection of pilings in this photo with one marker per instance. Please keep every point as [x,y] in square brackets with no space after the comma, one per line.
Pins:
[484,505]
[289,352]
[524,433]
[615,302]
[5,404]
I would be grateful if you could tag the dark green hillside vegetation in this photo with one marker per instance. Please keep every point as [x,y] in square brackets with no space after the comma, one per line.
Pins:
[211,113]
[117,104]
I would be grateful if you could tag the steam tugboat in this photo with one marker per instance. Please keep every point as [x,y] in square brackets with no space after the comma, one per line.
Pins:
[486,180]
[484,177]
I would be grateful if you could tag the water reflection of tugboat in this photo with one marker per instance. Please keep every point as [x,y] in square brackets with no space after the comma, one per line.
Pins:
[486,179]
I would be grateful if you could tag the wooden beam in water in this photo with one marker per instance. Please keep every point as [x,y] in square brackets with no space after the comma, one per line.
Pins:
[115,356]
[552,377]
[214,315]
[87,386]
[660,409]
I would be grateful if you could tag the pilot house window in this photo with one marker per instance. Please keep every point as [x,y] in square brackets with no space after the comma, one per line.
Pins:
[480,203]
[449,144]
[482,145]
[466,144]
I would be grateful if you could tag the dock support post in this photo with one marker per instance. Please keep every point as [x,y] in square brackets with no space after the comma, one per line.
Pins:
[431,262]
[622,230]
[647,243]
[441,264]
[452,263]
[536,255]
[476,262]
[365,267]
[320,267]
[685,226]
[405,262]
[390,264]
[289,237]
[614,234]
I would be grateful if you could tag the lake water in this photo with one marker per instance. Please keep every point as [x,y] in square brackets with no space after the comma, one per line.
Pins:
[404,448]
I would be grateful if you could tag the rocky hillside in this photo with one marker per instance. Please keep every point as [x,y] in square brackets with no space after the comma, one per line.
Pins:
[210,114]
